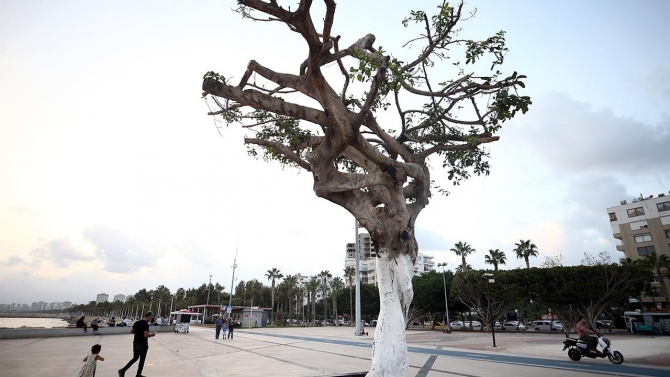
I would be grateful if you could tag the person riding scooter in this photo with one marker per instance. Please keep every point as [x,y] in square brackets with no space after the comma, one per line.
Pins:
[584,331]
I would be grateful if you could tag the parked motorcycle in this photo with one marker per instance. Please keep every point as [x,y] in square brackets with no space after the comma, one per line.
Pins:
[578,349]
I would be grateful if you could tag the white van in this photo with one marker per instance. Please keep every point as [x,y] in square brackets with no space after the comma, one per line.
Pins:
[546,326]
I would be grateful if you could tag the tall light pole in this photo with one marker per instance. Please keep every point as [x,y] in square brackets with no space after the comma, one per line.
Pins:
[358,283]
[446,302]
[489,279]
[232,281]
[208,286]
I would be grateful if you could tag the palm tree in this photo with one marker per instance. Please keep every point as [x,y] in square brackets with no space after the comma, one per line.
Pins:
[274,274]
[336,285]
[657,263]
[628,262]
[525,250]
[462,249]
[349,274]
[466,269]
[290,282]
[299,297]
[495,258]
[312,285]
[325,275]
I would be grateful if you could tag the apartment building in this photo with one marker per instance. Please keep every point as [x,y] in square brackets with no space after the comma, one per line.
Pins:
[119,297]
[643,227]
[368,260]
[424,263]
[102,297]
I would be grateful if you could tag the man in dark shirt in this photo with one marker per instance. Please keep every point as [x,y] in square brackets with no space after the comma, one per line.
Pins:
[140,344]
[231,326]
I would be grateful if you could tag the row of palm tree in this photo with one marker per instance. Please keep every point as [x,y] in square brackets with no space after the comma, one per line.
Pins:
[297,291]
[524,250]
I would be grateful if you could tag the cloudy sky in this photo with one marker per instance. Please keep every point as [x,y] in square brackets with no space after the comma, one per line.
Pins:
[113,178]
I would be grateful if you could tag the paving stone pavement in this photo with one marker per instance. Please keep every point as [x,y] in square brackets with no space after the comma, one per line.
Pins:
[310,352]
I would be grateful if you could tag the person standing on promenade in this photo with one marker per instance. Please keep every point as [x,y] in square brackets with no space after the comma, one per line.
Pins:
[224,328]
[88,370]
[140,344]
[231,326]
[219,324]
[81,323]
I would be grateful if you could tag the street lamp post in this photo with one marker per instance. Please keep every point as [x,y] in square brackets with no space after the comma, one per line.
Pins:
[490,280]
[446,302]
[207,304]
[232,282]
[359,328]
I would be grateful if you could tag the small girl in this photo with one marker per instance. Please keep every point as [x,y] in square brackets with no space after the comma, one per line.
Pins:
[88,370]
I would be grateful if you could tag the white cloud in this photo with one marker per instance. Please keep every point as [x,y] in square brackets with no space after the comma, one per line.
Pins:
[61,253]
[118,252]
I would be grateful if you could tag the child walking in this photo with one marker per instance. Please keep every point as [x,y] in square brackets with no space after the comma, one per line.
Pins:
[91,362]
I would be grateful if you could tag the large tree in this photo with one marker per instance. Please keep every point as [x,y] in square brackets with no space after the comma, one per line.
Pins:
[659,264]
[429,293]
[336,285]
[291,283]
[376,169]
[312,285]
[324,276]
[273,275]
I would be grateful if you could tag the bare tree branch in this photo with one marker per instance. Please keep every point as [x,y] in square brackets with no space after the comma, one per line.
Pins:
[280,148]
[263,101]
[460,147]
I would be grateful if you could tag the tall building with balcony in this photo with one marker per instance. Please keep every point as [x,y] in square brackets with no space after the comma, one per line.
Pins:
[368,261]
[643,227]
[119,297]
[424,263]
[102,297]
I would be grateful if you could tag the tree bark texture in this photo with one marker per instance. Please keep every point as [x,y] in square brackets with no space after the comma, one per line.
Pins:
[389,349]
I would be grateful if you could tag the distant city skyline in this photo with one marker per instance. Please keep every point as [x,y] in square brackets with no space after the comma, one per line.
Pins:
[113,178]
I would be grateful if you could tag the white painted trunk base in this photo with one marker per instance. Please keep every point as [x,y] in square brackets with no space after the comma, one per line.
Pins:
[389,350]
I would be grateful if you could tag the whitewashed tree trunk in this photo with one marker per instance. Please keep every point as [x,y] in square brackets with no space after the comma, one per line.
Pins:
[389,350]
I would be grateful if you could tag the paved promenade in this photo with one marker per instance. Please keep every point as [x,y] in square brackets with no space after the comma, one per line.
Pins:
[321,352]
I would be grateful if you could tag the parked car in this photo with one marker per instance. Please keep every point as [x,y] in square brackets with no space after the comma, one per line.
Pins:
[514,325]
[548,326]
[457,325]
[604,324]
[476,325]
[344,322]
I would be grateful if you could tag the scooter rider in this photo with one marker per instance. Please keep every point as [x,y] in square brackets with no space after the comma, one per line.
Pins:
[583,331]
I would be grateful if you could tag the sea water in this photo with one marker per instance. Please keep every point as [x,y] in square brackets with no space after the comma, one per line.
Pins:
[14,323]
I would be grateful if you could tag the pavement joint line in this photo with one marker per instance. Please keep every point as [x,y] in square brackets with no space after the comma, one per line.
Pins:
[30,343]
[423,372]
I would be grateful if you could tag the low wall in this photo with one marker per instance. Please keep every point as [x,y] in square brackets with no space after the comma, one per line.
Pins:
[70,331]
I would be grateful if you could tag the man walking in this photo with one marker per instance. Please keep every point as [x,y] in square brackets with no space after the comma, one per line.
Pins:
[219,324]
[140,344]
